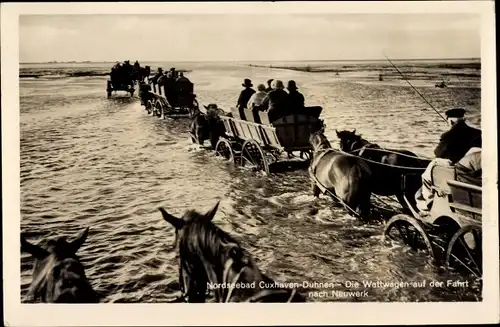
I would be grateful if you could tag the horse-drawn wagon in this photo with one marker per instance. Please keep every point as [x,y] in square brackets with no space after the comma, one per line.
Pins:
[255,141]
[175,99]
[450,232]
[115,84]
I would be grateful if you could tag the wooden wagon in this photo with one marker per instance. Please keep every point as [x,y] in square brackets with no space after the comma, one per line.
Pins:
[175,100]
[451,232]
[257,142]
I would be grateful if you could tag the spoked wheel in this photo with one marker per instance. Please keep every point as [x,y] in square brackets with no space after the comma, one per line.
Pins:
[158,109]
[224,149]
[408,230]
[149,107]
[253,156]
[465,251]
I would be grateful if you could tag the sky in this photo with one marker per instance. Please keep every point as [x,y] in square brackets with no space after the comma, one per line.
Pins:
[252,37]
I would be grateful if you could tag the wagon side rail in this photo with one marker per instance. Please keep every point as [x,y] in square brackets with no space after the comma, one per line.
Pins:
[466,199]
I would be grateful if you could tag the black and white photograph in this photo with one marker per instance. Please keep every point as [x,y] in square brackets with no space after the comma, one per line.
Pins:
[189,153]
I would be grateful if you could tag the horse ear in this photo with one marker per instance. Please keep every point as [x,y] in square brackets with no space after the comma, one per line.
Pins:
[354,131]
[176,222]
[211,214]
[338,134]
[80,239]
[32,249]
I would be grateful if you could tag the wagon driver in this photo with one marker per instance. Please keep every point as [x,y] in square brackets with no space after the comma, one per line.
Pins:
[459,147]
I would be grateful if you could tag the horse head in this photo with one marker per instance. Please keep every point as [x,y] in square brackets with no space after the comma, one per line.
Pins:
[349,141]
[58,274]
[208,254]
[319,141]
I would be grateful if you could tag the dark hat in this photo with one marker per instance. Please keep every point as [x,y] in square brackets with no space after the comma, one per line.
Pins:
[172,69]
[247,83]
[291,85]
[127,61]
[160,69]
[455,113]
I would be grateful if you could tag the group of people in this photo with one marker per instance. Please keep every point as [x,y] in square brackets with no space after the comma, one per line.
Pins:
[124,73]
[273,99]
[174,82]
[459,148]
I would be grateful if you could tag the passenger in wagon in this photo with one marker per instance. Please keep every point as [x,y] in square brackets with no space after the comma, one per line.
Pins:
[245,95]
[269,88]
[295,98]
[454,150]
[170,88]
[182,78]
[157,76]
[276,101]
[257,98]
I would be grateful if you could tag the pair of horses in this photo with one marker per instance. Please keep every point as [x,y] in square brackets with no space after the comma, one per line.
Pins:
[207,126]
[362,168]
[207,254]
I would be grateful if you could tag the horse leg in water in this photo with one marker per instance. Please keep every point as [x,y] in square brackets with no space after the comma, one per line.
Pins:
[354,192]
[315,189]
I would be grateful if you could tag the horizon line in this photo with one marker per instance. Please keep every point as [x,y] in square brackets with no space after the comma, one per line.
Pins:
[298,60]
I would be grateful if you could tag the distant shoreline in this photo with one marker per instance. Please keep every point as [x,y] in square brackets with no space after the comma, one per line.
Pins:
[256,61]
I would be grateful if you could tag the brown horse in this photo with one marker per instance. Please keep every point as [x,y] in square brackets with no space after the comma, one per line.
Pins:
[345,176]
[388,166]
[207,126]
[58,275]
[209,258]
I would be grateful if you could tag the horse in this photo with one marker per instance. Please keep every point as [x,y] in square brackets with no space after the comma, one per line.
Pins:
[387,178]
[209,258]
[345,176]
[207,126]
[58,274]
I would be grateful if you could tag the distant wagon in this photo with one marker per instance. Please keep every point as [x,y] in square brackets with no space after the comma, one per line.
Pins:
[257,142]
[175,99]
[120,80]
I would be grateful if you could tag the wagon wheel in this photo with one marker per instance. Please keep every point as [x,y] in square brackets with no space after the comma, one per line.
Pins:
[224,149]
[158,108]
[465,250]
[149,106]
[252,155]
[408,230]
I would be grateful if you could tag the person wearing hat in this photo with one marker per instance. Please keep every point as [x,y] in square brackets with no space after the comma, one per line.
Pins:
[455,143]
[258,97]
[245,95]
[157,76]
[269,88]
[276,101]
[295,98]
[457,149]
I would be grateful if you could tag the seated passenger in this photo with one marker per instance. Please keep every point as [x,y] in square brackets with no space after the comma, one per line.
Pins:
[454,145]
[295,98]
[276,101]
[154,80]
[182,79]
[269,88]
[257,98]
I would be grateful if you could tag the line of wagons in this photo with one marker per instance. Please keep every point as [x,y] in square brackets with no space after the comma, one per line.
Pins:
[451,234]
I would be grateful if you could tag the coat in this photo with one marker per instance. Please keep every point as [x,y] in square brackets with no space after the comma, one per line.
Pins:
[455,143]
[244,97]
[276,103]
[296,101]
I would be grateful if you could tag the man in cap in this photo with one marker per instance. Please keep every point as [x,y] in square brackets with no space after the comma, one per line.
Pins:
[245,95]
[457,149]
[276,101]
[295,98]
[455,143]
